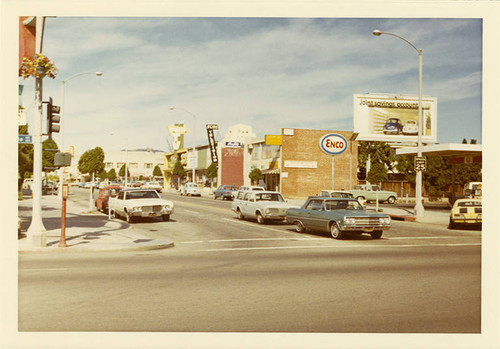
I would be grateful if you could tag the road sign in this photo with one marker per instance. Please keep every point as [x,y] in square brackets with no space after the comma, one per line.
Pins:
[420,163]
[26,139]
[333,144]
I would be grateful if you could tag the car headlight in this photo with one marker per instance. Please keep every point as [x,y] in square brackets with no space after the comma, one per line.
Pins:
[385,220]
[137,209]
[166,207]
[349,220]
[267,211]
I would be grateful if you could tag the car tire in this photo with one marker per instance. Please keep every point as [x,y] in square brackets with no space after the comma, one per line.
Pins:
[215,197]
[114,215]
[391,200]
[260,218]
[360,198]
[299,227]
[335,232]
[452,225]
[239,214]
[377,234]
[129,218]
[165,217]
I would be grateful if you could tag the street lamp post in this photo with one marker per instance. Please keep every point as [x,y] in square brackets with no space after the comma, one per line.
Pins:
[194,139]
[419,207]
[62,122]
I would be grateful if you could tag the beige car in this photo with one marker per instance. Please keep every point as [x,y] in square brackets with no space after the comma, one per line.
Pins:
[340,194]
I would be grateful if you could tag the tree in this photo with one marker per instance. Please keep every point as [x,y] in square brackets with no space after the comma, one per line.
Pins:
[212,171]
[48,156]
[380,152]
[377,173]
[121,171]
[157,171]
[102,174]
[179,169]
[255,175]
[112,174]
[92,161]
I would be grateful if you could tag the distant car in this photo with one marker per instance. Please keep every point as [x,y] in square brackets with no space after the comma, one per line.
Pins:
[370,192]
[337,216]
[101,202]
[225,192]
[49,187]
[260,205]
[466,212]
[134,203]
[340,194]
[252,187]
[393,126]
[410,128]
[190,189]
[27,183]
[153,185]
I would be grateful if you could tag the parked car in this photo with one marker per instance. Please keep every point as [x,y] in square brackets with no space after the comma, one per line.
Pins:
[101,202]
[247,188]
[466,212]
[370,192]
[340,194]
[49,187]
[337,216]
[410,128]
[393,126]
[260,205]
[152,185]
[225,192]
[133,203]
[190,189]
[27,183]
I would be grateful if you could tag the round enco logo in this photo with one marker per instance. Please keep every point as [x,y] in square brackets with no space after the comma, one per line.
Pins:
[333,144]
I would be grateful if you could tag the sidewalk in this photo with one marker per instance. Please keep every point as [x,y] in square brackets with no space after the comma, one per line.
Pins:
[85,231]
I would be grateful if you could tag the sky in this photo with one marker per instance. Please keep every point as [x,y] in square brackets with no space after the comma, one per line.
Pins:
[268,73]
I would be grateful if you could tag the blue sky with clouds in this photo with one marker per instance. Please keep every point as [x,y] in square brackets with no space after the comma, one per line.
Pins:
[268,73]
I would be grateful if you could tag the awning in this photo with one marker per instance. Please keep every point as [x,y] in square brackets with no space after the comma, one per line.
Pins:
[271,171]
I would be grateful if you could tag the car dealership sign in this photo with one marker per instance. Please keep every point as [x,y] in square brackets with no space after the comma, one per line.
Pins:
[333,144]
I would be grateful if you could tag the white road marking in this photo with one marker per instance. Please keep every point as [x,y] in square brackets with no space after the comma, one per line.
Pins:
[45,269]
[337,246]
[255,239]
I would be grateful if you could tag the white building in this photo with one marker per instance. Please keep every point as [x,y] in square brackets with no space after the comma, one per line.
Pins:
[140,162]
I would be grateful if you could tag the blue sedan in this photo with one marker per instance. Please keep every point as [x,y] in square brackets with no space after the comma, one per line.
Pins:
[337,216]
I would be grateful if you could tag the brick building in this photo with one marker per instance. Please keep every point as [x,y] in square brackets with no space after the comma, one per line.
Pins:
[306,169]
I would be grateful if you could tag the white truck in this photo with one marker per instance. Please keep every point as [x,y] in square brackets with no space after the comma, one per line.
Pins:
[370,192]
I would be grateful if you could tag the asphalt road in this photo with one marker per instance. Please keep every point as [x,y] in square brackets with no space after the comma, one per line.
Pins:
[226,275]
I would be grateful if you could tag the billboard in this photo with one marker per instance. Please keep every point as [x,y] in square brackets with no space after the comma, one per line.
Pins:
[394,118]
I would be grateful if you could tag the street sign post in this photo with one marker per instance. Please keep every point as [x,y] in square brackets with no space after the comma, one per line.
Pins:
[25,139]
[420,163]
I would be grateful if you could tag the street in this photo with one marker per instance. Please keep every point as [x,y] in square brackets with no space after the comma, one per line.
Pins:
[226,275]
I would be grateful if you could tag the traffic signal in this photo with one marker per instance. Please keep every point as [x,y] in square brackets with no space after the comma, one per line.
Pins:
[53,118]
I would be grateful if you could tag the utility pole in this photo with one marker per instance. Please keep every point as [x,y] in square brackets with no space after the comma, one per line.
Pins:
[36,233]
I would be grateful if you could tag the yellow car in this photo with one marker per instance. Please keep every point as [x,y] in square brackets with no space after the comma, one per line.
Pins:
[466,212]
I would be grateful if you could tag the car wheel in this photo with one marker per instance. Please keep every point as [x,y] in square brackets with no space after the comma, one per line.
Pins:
[129,218]
[452,225]
[239,214]
[335,231]
[260,218]
[377,234]
[360,198]
[215,197]
[299,227]
[391,200]
[166,217]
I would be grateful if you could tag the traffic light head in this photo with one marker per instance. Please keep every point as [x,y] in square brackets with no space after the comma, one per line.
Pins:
[53,118]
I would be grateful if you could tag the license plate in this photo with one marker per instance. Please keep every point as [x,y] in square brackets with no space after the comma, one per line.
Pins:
[368,229]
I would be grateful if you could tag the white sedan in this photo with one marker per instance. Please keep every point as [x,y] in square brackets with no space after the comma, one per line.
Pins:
[134,203]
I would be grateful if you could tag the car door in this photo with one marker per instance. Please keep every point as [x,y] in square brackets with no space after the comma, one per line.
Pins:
[309,218]
[248,205]
[119,203]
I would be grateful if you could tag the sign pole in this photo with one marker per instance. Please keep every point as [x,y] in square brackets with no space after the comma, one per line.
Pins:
[333,172]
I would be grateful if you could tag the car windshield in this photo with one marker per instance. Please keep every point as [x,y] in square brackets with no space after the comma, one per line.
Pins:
[331,205]
[469,204]
[143,194]
[269,197]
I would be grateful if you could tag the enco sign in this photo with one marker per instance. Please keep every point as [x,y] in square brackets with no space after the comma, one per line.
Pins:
[333,144]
